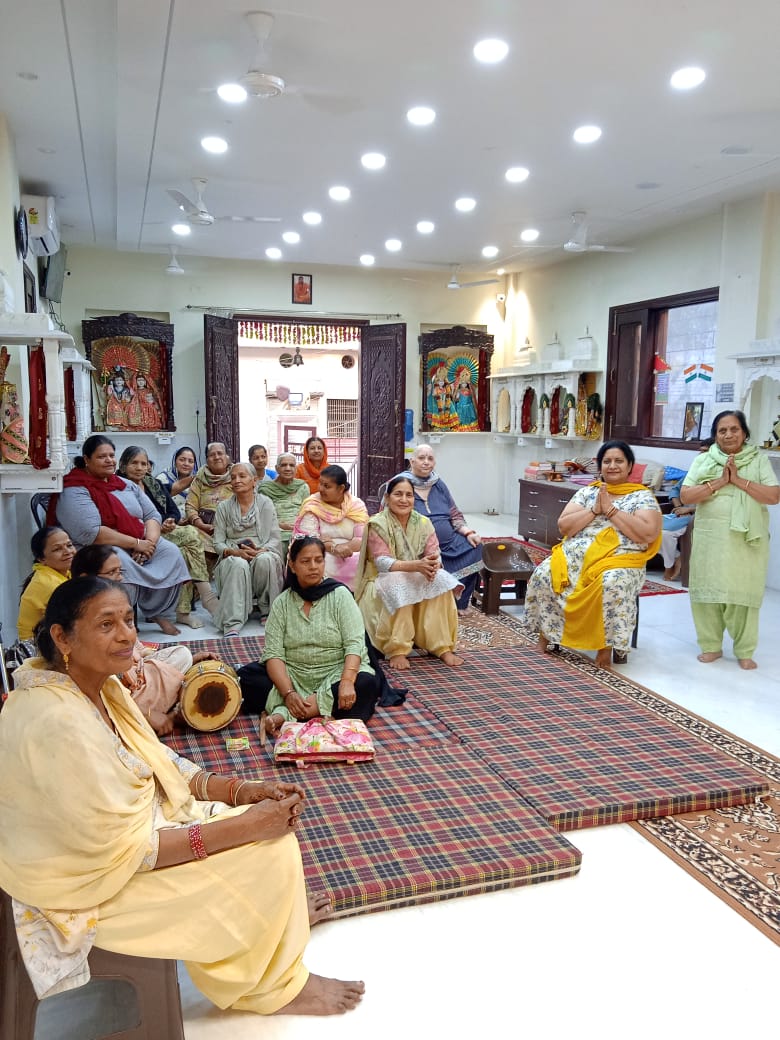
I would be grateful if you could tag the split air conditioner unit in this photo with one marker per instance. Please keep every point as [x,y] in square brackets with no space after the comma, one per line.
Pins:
[42,223]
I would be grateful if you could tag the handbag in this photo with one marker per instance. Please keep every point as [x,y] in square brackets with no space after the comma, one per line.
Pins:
[324,740]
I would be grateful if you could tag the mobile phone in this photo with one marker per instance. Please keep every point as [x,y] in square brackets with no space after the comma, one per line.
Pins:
[246,543]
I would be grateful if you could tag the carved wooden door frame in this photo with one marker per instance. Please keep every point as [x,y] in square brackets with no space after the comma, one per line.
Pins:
[220,362]
[382,403]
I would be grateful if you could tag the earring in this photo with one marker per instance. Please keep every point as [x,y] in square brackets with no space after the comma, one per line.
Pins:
[65,659]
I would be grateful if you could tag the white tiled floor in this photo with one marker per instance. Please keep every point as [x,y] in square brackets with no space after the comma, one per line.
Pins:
[630,948]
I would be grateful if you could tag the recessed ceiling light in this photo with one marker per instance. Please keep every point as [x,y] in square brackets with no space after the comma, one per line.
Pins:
[393,244]
[499,271]
[291,237]
[339,193]
[421,115]
[233,93]
[215,145]
[491,51]
[529,234]
[587,134]
[312,217]
[367,259]
[516,174]
[273,253]
[687,78]
[373,160]
[181,229]
[425,227]
[489,252]
[648,185]
[465,205]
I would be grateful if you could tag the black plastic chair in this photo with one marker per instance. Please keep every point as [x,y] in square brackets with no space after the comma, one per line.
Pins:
[39,504]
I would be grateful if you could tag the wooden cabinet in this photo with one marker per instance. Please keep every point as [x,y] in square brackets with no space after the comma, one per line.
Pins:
[541,503]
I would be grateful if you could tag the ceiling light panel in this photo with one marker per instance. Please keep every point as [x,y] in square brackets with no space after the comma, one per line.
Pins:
[425,227]
[312,217]
[587,134]
[373,160]
[529,235]
[687,78]
[393,245]
[367,260]
[292,238]
[339,193]
[489,52]
[465,205]
[181,229]
[233,93]
[421,115]
[215,145]
[517,174]
[489,252]
[273,253]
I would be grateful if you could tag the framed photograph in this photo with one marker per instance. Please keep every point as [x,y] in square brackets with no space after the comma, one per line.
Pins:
[454,370]
[301,288]
[692,421]
[30,294]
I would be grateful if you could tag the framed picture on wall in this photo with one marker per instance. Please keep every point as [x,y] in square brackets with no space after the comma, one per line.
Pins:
[692,421]
[30,294]
[301,288]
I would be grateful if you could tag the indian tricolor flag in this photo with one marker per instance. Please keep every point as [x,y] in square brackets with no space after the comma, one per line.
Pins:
[705,372]
[690,373]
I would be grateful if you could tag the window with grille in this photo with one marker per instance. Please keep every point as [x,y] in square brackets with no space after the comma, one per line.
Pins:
[342,417]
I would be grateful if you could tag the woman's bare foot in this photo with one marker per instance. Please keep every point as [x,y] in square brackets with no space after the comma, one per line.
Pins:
[543,643]
[190,620]
[450,659]
[399,662]
[747,663]
[166,626]
[321,996]
[604,658]
[320,907]
[709,657]
[271,724]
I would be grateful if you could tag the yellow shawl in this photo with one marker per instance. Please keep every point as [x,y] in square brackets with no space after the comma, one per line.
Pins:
[583,612]
[75,820]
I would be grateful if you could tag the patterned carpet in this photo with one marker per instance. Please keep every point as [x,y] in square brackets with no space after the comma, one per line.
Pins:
[537,553]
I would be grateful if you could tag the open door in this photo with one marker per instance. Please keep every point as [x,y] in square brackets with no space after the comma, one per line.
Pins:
[220,359]
[382,403]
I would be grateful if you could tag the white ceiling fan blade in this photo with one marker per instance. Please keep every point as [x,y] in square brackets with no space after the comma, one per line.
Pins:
[184,204]
[609,249]
[250,220]
[483,281]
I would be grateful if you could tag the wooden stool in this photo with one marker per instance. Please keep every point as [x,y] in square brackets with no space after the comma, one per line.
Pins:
[127,998]
[502,561]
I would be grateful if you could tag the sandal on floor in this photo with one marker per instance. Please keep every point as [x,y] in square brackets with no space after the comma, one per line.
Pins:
[620,656]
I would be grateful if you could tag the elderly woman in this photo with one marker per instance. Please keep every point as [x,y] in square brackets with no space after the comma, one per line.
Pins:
[103,831]
[154,677]
[315,458]
[97,506]
[584,594]
[404,595]
[287,494]
[731,485]
[258,456]
[180,476]
[210,487]
[460,547]
[337,517]
[134,465]
[315,660]
[52,552]
[249,546]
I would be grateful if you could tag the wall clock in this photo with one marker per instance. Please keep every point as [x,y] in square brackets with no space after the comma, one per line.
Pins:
[21,232]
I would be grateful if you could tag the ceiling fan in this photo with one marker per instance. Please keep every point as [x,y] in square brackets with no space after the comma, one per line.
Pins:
[174,267]
[578,241]
[454,283]
[198,214]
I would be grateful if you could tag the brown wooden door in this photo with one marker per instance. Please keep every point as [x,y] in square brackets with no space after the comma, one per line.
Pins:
[382,402]
[220,357]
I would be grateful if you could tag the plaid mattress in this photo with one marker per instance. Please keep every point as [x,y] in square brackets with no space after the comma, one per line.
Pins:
[579,752]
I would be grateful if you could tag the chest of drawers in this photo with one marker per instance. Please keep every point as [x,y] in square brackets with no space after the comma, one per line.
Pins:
[541,503]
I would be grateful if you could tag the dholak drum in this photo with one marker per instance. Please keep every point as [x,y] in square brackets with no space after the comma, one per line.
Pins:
[211,697]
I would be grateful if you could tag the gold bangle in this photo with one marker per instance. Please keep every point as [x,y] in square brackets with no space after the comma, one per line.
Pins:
[747,485]
[713,492]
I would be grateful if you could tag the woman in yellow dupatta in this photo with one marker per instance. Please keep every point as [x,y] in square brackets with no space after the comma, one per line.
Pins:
[403,593]
[109,839]
[337,518]
[584,595]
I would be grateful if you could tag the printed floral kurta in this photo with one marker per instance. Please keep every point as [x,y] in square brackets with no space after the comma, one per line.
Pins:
[544,608]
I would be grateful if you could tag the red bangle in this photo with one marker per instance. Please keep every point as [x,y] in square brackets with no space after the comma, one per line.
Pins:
[195,834]
[232,787]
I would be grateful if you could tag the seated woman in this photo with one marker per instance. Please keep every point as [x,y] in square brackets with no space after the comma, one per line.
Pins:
[315,661]
[107,846]
[460,547]
[180,476]
[287,495]
[134,465]
[584,594]
[675,524]
[315,458]
[258,456]
[210,487]
[404,595]
[97,506]
[53,552]
[249,546]
[337,518]
[154,677]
